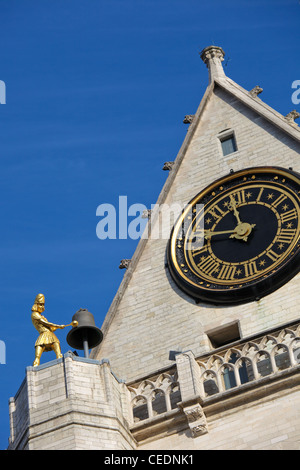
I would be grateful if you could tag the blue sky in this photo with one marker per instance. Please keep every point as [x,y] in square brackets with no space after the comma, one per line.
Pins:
[96,92]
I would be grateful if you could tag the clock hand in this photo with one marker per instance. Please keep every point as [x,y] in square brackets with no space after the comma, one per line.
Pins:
[209,233]
[232,206]
[241,231]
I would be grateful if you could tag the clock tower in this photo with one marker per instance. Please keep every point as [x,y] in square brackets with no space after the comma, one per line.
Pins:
[202,339]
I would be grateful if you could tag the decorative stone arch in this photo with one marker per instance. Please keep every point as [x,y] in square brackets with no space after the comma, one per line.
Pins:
[173,395]
[264,366]
[158,402]
[286,334]
[244,366]
[230,352]
[267,339]
[214,361]
[163,378]
[280,355]
[247,348]
[140,409]
[145,387]
[295,350]
[210,382]
[228,373]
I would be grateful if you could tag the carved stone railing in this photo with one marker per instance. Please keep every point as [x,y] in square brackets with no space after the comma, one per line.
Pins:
[249,361]
[154,395]
[178,397]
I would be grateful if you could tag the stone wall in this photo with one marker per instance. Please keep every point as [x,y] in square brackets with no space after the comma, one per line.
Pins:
[258,411]
[203,402]
[70,403]
[153,315]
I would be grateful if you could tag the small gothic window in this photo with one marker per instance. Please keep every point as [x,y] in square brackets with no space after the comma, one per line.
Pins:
[229,377]
[140,409]
[158,402]
[228,144]
[264,365]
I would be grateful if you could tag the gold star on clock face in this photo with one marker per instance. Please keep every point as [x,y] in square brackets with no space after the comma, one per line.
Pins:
[285,207]
[248,195]
[270,196]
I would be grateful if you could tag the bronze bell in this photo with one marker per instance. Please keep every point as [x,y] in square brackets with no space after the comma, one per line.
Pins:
[85,335]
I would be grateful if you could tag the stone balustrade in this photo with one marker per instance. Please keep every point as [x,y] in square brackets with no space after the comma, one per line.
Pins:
[186,390]
[249,361]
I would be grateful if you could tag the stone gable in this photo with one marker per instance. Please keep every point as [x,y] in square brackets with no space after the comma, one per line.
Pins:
[150,316]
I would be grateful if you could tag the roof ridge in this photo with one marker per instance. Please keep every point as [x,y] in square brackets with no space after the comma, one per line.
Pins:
[258,105]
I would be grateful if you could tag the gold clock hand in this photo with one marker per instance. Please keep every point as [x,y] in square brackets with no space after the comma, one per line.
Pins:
[232,206]
[209,233]
[241,232]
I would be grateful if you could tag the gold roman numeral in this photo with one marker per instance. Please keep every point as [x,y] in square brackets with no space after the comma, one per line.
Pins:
[208,265]
[216,212]
[227,272]
[198,252]
[286,235]
[239,196]
[259,194]
[272,255]
[279,200]
[250,268]
[289,215]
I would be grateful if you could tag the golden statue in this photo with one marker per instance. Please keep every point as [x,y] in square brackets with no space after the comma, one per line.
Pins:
[47,340]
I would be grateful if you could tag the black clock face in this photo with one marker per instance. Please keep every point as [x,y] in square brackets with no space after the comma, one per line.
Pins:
[239,239]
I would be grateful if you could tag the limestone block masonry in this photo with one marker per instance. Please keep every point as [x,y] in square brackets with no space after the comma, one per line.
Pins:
[79,404]
[70,403]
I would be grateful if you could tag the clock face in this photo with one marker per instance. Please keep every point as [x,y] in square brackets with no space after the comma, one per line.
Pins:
[238,239]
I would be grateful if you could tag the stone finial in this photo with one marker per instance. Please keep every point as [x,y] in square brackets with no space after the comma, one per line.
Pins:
[124,263]
[290,117]
[188,119]
[213,57]
[168,166]
[255,91]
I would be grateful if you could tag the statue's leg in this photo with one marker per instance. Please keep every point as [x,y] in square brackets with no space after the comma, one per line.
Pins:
[56,349]
[38,352]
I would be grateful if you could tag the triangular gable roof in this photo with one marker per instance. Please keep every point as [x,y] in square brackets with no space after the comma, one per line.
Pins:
[261,108]
[212,56]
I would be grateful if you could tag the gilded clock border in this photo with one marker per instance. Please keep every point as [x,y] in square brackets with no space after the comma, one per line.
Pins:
[250,171]
[193,267]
